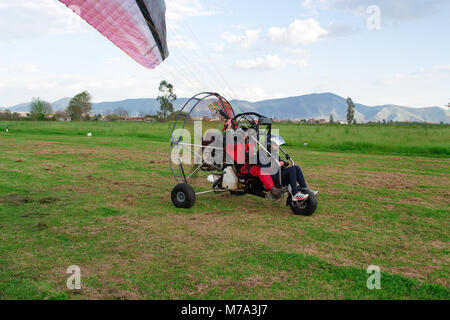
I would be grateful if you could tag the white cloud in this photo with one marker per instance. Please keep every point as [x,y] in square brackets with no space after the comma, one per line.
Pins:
[256,93]
[30,18]
[339,29]
[178,10]
[439,72]
[269,63]
[181,43]
[17,68]
[392,10]
[316,4]
[300,32]
[423,87]
[246,40]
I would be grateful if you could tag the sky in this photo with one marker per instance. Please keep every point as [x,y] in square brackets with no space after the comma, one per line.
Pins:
[374,51]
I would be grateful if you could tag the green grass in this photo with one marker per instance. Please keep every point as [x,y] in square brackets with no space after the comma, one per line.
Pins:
[103,203]
[424,140]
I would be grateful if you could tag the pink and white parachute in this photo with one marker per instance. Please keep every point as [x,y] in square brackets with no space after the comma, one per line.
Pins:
[138,27]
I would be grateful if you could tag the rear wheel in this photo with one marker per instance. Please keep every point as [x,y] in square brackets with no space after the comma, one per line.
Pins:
[183,196]
[305,208]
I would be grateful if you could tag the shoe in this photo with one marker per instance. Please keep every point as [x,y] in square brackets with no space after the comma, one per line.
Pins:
[275,192]
[314,192]
[300,197]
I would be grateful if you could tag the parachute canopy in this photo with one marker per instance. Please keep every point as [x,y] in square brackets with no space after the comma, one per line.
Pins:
[138,27]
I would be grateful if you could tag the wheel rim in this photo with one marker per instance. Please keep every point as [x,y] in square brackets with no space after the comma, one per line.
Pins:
[181,197]
[301,205]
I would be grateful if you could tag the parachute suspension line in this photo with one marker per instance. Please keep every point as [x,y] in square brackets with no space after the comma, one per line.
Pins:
[198,72]
[178,77]
[182,74]
[184,67]
[208,59]
[219,74]
[186,73]
[178,74]
[183,71]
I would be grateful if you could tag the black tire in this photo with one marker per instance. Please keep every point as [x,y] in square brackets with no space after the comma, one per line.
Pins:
[307,209]
[183,196]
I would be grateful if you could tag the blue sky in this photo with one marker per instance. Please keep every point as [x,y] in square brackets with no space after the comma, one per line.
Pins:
[245,49]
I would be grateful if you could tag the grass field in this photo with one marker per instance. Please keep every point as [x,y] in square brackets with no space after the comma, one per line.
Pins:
[103,203]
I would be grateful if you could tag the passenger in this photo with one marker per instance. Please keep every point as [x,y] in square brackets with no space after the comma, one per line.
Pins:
[290,176]
[239,152]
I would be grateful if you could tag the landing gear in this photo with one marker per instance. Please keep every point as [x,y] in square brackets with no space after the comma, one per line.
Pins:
[183,196]
[303,208]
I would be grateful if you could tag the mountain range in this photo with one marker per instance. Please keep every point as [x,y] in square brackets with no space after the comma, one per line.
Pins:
[317,106]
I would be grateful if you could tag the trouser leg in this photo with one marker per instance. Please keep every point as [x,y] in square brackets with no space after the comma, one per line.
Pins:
[289,177]
[300,177]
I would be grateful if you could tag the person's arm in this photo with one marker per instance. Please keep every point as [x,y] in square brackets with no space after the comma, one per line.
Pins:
[227,125]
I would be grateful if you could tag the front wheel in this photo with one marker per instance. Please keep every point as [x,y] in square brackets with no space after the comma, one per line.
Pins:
[305,208]
[183,196]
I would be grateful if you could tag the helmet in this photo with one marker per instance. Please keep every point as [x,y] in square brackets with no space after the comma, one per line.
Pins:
[279,141]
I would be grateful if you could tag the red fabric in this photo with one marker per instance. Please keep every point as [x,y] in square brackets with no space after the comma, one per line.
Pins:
[237,153]
[265,178]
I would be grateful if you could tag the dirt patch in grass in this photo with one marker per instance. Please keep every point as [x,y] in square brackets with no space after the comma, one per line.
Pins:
[40,226]
[257,280]
[48,200]
[382,179]
[15,199]
[34,214]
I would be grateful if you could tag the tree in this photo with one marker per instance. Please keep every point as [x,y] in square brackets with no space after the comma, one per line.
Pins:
[121,112]
[61,115]
[40,108]
[331,118]
[79,106]
[350,111]
[166,99]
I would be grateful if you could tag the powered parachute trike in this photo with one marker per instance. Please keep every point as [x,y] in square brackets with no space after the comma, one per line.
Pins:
[201,162]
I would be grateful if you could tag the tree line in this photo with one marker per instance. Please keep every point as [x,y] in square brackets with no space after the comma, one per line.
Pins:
[80,107]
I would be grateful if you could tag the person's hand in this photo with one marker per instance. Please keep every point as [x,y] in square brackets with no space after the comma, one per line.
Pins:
[282,163]
[227,124]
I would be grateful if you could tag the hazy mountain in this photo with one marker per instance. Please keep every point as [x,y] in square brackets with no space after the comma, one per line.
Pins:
[317,106]
[133,106]
[60,104]
[23,107]
[321,105]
